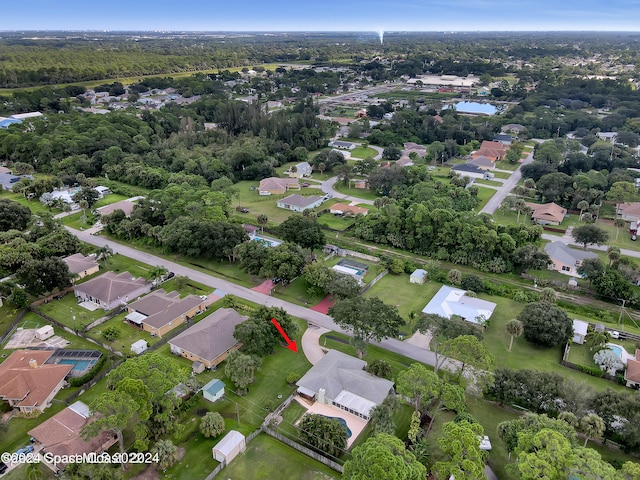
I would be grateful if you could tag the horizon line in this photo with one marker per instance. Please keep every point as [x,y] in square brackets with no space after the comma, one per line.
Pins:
[113,30]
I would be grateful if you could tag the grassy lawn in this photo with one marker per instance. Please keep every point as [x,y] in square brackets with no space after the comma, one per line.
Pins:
[482,181]
[128,334]
[297,292]
[266,458]
[355,192]
[8,312]
[363,152]
[484,195]
[624,239]
[65,309]
[335,222]
[119,263]
[408,297]
[496,340]
[34,205]
[503,165]
[78,220]
[502,175]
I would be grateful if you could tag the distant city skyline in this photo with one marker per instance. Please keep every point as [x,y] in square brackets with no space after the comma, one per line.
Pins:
[330,15]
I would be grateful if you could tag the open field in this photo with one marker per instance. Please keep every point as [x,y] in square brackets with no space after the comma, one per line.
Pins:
[363,152]
[415,94]
[484,195]
[355,192]
[258,462]
[335,222]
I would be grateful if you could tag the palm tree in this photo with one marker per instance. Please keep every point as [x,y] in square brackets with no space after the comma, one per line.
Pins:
[293,169]
[519,205]
[582,205]
[514,328]
[618,222]
[597,339]
[322,167]
[592,426]
[156,273]
[548,295]
[33,471]
[104,253]
[613,254]
[262,220]
[83,206]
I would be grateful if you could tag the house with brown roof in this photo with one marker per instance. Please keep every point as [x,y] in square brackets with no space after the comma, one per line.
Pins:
[495,151]
[513,127]
[111,290]
[159,312]
[81,266]
[277,185]
[210,340]
[629,211]
[125,205]
[28,383]
[547,213]
[482,162]
[60,435]
[632,373]
[343,208]
[412,147]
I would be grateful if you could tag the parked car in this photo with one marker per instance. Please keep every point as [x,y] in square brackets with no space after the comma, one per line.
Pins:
[615,334]
[242,209]
[276,280]
[170,275]
[3,467]
[305,184]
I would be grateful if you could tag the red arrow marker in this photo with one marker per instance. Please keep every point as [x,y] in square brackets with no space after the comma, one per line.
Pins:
[290,345]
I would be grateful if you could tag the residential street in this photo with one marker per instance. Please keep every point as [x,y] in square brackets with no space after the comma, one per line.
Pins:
[568,240]
[314,318]
[494,202]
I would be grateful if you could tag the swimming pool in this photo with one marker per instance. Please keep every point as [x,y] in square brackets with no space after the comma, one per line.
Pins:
[620,352]
[343,422]
[78,365]
[267,242]
[616,349]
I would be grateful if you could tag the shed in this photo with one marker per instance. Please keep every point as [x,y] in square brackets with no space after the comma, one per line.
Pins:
[214,390]
[229,447]
[44,332]
[418,276]
[139,347]
[579,331]
[197,367]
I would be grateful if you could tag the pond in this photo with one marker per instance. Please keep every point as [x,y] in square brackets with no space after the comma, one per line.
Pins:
[476,107]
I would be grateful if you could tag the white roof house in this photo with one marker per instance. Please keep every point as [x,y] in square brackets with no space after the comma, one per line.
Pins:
[139,347]
[451,301]
[229,447]
[339,379]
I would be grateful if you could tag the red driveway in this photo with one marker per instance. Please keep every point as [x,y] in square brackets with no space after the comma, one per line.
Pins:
[265,287]
[324,305]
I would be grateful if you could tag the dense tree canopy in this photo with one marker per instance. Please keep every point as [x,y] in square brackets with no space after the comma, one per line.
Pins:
[13,216]
[545,324]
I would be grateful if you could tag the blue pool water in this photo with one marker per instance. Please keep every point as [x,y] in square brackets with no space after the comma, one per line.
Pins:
[475,107]
[343,422]
[268,242]
[617,349]
[79,365]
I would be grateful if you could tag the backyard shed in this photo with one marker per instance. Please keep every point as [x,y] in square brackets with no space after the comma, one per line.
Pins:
[44,332]
[197,367]
[214,390]
[579,331]
[419,276]
[229,447]
[139,347]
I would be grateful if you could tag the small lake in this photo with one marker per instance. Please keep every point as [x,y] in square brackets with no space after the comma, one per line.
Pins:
[476,107]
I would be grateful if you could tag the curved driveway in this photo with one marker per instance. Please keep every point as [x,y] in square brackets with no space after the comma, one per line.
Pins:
[327,187]
[314,318]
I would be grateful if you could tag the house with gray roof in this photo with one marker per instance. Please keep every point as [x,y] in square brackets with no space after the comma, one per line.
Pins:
[482,162]
[302,169]
[80,265]
[8,180]
[210,340]
[159,312]
[565,259]
[450,301]
[340,380]
[468,170]
[342,145]
[299,203]
[111,290]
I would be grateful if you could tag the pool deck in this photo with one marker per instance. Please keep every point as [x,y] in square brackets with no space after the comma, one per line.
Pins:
[624,355]
[355,424]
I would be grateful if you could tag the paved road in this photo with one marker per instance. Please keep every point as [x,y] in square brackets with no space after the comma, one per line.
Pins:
[494,202]
[314,318]
[327,187]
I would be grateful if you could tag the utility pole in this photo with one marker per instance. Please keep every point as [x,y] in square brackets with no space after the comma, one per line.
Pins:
[237,414]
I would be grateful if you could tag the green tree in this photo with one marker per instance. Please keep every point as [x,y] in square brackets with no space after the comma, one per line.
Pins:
[622,192]
[241,369]
[41,276]
[285,261]
[418,384]
[103,254]
[319,275]
[212,424]
[13,216]
[589,235]
[582,205]
[545,454]
[111,333]
[592,426]
[618,223]
[379,368]
[303,231]
[324,433]
[167,453]
[596,339]
[258,334]
[343,286]
[91,471]
[468,350]
[19,298]
[454,276]
[591,268]
[548,295]
[88,195]
[262,220]
[530,257]
[368,319]
[545,324]
[460,444]
[391,153]
[514,328]
[156,273]
[382,416]
[383,457]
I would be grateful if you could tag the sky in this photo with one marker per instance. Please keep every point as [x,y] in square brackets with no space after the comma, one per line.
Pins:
[324,15]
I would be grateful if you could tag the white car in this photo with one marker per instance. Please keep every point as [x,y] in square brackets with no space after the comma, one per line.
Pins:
[615,334]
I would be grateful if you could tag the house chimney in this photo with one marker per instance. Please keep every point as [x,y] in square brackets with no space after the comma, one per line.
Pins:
[33,363]
[321,396]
